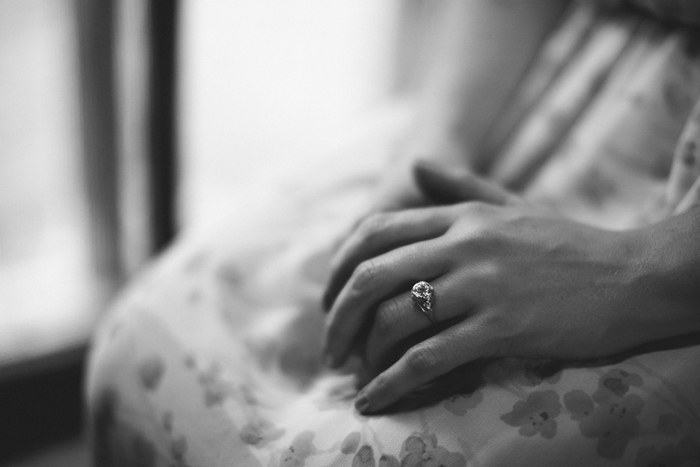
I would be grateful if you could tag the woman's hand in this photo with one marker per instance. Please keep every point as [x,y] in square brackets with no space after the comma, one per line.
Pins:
[432,184]
[509,281]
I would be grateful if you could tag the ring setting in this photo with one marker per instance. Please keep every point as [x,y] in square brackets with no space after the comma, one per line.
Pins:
[422,295]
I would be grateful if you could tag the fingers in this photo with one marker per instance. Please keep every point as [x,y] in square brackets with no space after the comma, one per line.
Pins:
[424,362]
[378,234]
[450,186]
[399,318]
[372,282]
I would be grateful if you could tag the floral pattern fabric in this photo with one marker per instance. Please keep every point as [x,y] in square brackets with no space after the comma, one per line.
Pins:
[212,356]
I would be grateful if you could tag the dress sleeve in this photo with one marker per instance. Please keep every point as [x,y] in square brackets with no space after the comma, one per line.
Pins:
[686,11]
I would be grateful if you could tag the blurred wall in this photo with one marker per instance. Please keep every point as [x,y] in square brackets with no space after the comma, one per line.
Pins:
[271,85]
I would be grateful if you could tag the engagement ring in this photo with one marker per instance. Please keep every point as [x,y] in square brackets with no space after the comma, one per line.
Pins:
[422,295]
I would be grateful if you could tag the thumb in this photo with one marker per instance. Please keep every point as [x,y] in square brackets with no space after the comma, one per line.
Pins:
[449,186]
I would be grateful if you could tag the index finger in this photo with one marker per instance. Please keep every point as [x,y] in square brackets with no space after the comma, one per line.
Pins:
[373,282]
[379,234]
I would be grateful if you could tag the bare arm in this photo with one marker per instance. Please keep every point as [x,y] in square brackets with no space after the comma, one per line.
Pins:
[482,50]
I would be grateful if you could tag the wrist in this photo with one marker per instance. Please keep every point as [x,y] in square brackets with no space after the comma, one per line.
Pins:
[666,276]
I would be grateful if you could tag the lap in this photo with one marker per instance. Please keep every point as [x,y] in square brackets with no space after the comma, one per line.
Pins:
[213,356]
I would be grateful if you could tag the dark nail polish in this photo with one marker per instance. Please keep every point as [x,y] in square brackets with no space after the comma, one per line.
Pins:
[362,403]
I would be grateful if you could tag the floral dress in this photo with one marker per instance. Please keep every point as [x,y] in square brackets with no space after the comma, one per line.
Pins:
[211,357]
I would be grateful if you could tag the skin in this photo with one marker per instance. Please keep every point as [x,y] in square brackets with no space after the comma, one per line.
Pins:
[499,37]
[510,280]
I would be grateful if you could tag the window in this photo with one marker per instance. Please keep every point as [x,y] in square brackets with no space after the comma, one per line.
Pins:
[48,286]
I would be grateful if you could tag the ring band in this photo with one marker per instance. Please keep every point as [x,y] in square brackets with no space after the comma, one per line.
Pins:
[422,295]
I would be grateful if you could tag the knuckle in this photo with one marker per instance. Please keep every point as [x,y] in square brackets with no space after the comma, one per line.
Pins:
[366,276]
[479,208]
[468,177]
[421,359]
[477,231]
[382,384]
[387,317]
[497,332]
[372,225]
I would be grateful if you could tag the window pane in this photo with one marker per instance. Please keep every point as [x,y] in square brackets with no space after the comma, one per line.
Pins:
[268,87]
[47,285]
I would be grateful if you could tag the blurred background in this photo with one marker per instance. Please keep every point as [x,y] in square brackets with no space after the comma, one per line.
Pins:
[127,123]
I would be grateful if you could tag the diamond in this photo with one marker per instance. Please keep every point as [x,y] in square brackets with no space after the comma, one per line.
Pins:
[422,294]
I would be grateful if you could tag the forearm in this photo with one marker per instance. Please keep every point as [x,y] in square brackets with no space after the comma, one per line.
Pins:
[484,49]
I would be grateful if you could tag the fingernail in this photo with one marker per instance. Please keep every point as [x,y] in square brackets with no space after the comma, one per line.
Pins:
[362,402]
